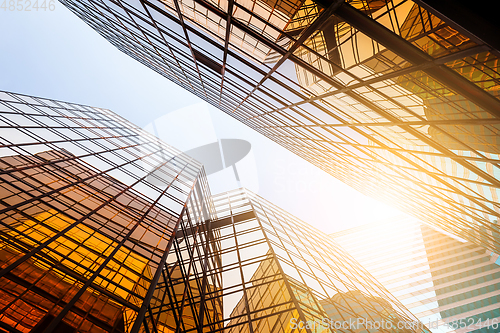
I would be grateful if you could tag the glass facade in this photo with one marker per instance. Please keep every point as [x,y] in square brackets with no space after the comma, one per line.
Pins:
[104,228]
[90,209]
[389,96]
[283,271]
[451,285]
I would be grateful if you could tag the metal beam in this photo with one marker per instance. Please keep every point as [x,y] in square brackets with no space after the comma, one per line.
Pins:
[318,23]
[410,123]
[408,51]
[388,76]
[480,21]
[218,223]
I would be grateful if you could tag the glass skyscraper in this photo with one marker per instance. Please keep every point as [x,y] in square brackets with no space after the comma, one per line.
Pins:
[104,228]
[451,285]
[397,98]
[298,274]
[90,207]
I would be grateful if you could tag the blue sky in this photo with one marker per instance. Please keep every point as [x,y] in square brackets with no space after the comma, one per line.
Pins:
[54,54]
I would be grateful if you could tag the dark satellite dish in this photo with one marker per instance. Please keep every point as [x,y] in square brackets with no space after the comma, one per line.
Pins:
[233,151]
[210,156]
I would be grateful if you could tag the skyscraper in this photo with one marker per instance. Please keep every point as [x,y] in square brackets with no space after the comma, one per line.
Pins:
[451,285]
[292,273]
[91,205]
[104,228]
[398,99]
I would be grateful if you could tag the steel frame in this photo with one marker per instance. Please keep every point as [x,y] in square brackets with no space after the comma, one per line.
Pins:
[88,241]
[392,147]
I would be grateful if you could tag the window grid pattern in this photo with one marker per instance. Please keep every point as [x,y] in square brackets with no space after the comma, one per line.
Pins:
[384,95]
[283,271]
[450,283]
[104,228]
[90,210]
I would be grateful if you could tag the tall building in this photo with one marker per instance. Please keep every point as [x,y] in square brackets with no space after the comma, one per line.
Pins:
[104,228]
[90,209]
[399,99]
[298,275]
[451,285]
[379,314]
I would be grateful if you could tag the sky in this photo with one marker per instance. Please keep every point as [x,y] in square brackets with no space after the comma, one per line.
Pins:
[53,54]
